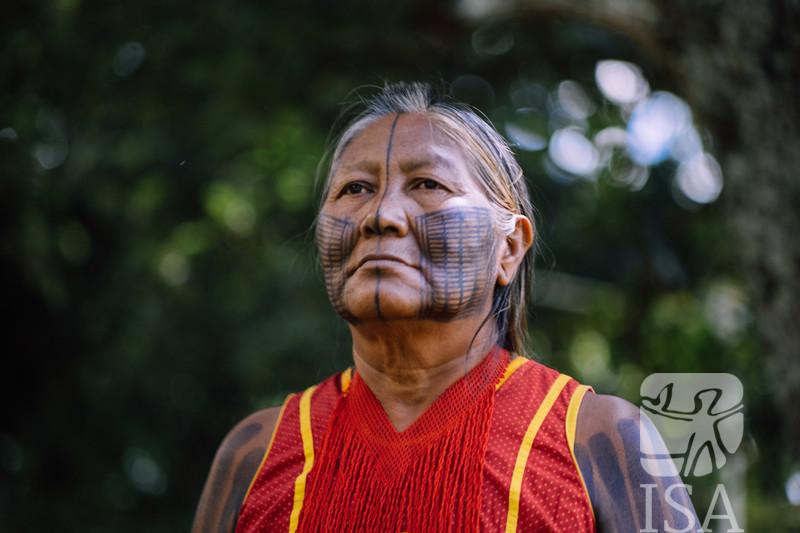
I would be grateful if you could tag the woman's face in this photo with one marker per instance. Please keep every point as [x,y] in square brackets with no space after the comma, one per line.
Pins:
[405,231]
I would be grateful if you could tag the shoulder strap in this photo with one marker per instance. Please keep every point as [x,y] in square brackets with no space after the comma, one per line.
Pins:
[514,365]
[515,487]
[269,446]
[571,426]
[308,453]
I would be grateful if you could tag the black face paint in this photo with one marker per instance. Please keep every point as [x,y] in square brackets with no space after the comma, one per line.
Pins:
[336,238]
[457,247]
[378,230]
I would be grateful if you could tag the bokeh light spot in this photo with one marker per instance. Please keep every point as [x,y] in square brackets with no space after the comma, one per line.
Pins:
[725,308]
[144,472]
[590,355]
[572,151]
[174,268]
[293,188]
[655,124]
[700,179]
[193,237]
[574,101]
[51,154]
[128,58]
[9,134]
[793,488]
[525,138]
[231,207]
[621,82]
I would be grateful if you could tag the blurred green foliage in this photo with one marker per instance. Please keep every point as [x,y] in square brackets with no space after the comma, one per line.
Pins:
[158,163]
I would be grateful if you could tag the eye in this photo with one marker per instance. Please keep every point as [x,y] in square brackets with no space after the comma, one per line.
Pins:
[428,184]
[353,188]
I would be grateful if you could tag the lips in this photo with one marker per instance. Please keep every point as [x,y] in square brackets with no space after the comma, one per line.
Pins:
[380,257]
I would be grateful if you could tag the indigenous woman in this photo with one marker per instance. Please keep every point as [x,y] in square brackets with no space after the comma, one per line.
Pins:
[426,237]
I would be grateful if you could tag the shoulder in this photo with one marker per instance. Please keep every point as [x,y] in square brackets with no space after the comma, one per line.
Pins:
[248,436]
[608,451]
[246,430]
[608,423]
[235,463]
[600,413]
[607,436]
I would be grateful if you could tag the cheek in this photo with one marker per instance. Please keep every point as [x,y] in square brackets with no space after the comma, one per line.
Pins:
[458,247]
[456,237]
[336,238]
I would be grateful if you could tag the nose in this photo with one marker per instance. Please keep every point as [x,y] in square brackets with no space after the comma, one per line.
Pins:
[387,216]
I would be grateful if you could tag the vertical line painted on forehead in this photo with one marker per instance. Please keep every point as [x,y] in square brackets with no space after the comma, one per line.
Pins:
[378,214]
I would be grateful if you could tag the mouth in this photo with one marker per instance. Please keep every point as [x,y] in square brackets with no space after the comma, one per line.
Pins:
[380,259]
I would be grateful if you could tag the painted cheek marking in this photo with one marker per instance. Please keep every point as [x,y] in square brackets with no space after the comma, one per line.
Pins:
[456,245]
[336,238]
[378,216]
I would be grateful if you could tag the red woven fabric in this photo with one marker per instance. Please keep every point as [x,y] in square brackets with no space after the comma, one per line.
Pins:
[449,471]
[553,498]
[428,478]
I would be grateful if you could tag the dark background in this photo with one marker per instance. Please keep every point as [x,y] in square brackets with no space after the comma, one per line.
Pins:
[158,281]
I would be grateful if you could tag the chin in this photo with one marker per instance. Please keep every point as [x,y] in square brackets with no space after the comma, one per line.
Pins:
[363,304]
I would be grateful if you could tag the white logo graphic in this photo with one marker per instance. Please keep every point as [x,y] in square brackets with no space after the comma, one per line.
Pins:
[700,418]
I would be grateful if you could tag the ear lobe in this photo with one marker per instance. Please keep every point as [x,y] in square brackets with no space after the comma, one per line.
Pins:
[517,243]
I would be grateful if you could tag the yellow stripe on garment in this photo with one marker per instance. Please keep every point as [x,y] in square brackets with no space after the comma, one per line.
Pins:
[571,428]
[347,376]
[308,453]
[269,446]
[515,488]
[512,367]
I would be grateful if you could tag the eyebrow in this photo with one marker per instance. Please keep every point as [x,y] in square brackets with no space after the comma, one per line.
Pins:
[434,160]
[370,167]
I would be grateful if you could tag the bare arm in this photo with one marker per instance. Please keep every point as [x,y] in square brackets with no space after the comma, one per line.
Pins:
[625,497]
[234,466]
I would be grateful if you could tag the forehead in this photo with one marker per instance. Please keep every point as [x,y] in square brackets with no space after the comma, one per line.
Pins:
[410,140]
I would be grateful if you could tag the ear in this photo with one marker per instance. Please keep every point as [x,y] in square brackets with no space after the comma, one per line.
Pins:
[513,249]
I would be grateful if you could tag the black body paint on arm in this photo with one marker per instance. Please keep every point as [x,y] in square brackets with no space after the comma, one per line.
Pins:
[609,461]
[234,466]
[241,481]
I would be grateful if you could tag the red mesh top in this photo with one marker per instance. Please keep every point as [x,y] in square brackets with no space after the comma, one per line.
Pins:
[336,462]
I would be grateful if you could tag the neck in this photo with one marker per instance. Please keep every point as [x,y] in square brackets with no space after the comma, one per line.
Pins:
[408,364]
